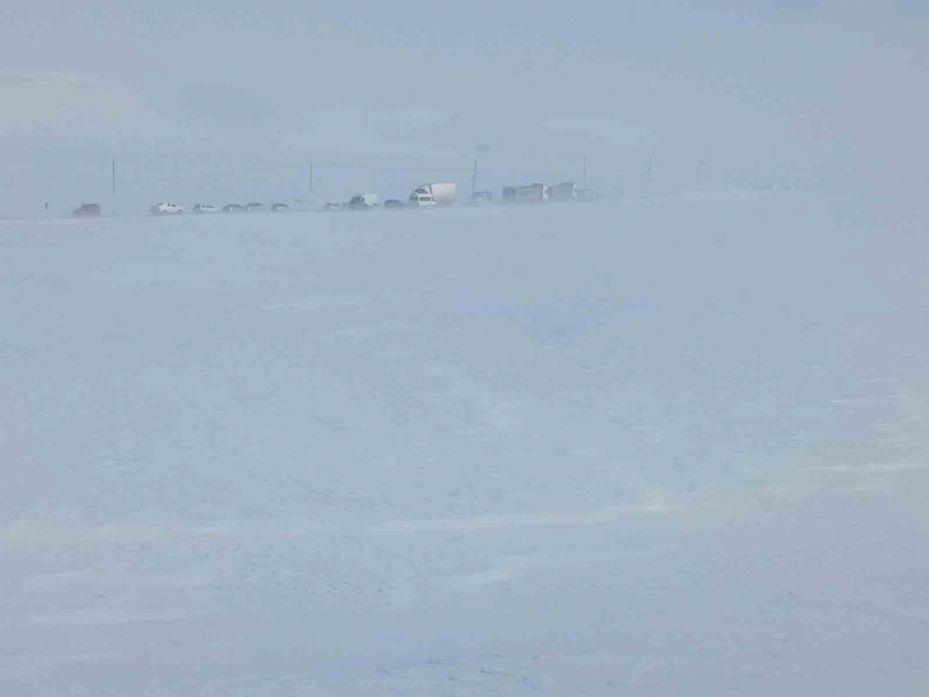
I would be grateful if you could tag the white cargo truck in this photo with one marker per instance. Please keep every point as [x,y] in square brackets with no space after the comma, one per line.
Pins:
[429,195]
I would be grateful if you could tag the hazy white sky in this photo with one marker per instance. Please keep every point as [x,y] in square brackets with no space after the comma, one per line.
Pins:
[815,83]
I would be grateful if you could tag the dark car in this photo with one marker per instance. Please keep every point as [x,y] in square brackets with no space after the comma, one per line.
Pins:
[233,208]
[394,203]
[254,207]
[279,208]
[481,198]
[87,210]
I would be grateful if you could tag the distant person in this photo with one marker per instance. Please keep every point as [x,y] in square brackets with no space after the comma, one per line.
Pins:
[46,206]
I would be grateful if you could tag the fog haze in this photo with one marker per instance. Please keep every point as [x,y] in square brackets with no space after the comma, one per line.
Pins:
[661,428]
[826,93]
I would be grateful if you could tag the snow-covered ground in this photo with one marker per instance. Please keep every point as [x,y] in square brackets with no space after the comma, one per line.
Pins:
[675,446]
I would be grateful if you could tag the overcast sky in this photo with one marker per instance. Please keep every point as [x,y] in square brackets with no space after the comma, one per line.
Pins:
[810,82]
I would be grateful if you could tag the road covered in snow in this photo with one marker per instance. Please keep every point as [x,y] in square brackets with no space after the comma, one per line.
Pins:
[664,446]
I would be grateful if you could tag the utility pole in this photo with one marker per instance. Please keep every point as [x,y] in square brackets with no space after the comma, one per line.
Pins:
[474,177]
[114,177]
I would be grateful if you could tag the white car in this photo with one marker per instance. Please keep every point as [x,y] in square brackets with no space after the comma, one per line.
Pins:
[205,208]
[167,209]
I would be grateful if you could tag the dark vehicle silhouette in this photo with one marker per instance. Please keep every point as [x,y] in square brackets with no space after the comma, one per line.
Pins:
[87,210]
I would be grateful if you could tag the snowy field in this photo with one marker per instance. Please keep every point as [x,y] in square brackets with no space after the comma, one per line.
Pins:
[656,447]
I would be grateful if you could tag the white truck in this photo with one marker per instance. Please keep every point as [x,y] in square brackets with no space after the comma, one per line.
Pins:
[430,195]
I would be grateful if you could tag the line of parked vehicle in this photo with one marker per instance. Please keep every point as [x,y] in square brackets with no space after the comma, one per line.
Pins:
[443,194]
[204,208]
[423,196]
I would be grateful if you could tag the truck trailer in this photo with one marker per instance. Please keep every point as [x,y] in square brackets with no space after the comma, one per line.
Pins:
[566,191]
[532,193]
[430,195]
